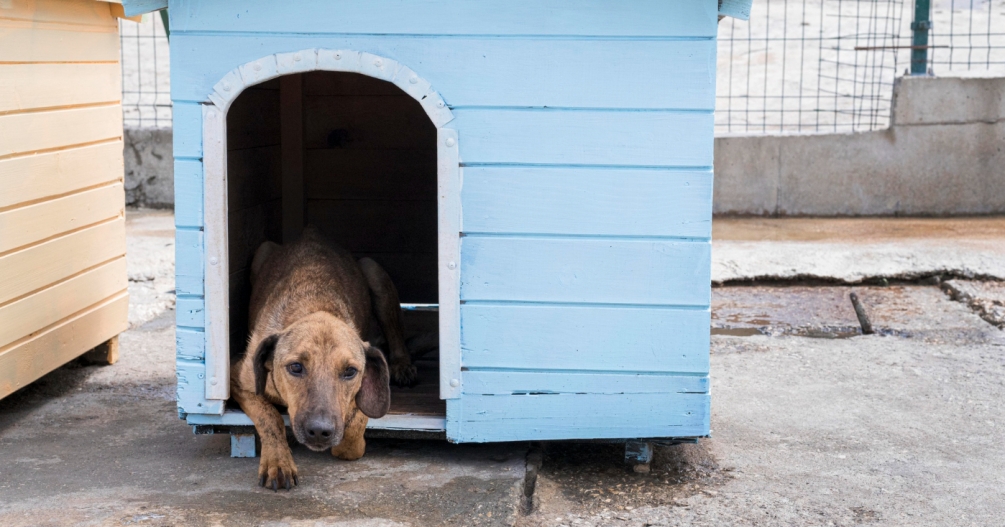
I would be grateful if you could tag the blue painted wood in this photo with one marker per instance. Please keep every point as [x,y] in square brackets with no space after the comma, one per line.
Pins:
[736,8]
[188,195]
[564,337]
[526,382]
[189,268]
[584,270]
[190,344]
[678,74]
[191,389]
[481,418]
[190,312]
[139,7]
[649,18]
[548,200]
[633,138]
[242,445]
[187,119]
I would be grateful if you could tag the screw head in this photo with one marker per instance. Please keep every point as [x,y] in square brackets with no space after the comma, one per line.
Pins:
[440,104]
[451,266]
[338,56]
[258,67]
[296,58]
[226,86]
[378,63]
[213,260]
[450,141]
[213,381]
[454,383]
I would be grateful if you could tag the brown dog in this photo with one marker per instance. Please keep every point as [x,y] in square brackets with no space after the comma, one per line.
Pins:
[312,305]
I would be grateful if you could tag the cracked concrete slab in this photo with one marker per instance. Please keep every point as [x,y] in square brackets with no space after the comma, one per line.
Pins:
[896,429]
[853,250]
[104,446]
[987,299]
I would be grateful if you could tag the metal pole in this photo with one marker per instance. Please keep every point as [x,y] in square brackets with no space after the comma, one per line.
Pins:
[919,45]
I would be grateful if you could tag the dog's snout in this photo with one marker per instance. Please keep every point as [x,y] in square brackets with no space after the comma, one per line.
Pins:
[320,429]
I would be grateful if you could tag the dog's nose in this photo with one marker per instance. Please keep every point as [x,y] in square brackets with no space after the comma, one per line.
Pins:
[320,429]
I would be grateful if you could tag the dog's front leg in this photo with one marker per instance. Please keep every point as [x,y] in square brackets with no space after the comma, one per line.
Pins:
[277,468]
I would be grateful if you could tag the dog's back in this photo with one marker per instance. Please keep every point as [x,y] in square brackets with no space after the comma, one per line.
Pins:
[309,275]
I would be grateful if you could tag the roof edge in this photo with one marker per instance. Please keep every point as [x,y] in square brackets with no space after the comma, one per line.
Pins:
[739,9]
[142,7]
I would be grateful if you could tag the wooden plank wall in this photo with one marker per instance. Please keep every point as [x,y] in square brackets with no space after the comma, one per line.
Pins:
[62,234]
[585,142]
[371,176]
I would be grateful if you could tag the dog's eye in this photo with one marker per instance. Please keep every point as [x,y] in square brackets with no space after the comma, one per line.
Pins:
[349,373]
[296,369]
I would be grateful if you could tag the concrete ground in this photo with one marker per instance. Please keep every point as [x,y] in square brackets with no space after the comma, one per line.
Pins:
[813,423]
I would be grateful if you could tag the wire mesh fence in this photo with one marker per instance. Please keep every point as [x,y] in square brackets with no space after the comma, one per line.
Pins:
[830,65]
[146,84]
[796,66]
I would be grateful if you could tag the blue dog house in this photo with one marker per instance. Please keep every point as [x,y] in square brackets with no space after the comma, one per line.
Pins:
[535,175]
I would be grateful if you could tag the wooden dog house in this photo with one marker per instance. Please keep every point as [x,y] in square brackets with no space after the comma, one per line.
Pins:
[537,173]
[62,229]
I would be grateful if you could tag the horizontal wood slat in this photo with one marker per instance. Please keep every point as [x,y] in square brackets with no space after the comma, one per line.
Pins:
[20,42]
[549,337]
[49,350]
[35,177]
[512,72]
[89,13]
[31,223]
[30,86]
[493,17]
[35,267]
[678,139]
[480,418]
[32,313]
[29,132]
[585,270]
[546,383]
[613,202]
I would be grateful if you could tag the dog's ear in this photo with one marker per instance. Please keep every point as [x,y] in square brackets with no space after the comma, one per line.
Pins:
[263,361]
[374,396]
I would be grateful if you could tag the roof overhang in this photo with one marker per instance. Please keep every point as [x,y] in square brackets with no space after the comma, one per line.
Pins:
[141,7]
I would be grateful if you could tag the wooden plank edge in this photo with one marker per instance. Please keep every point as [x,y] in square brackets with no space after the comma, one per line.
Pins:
[21,363]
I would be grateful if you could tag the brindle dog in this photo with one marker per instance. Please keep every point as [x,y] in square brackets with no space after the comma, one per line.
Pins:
[312,306]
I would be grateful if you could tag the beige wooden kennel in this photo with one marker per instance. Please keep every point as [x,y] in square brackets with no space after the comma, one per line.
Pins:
[62,224]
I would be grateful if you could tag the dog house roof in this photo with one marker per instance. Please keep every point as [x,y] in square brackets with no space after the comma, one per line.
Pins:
[733,8]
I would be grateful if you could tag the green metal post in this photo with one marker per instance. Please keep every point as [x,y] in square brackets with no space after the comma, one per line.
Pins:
[919,44]
[167,28]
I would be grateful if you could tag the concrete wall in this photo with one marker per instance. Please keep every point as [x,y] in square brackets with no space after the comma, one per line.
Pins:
[149,167]
[943,155]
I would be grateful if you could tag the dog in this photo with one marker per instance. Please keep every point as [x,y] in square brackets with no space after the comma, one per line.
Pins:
[312,307]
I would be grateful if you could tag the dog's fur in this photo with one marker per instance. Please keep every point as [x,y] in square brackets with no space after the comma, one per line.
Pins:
[312,306]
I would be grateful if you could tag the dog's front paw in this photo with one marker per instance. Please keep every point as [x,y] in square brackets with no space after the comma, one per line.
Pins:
[404,374]
[277,469]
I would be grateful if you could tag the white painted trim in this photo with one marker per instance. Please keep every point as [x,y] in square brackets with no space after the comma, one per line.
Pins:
[388,422]
[216,253]
[214,135]
[315,59]
[448,206]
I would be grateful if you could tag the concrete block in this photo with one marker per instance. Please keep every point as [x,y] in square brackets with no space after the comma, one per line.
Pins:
[931,100]
[746,175]
[149,166]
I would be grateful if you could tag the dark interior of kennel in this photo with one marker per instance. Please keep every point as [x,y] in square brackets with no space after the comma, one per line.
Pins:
[356,158]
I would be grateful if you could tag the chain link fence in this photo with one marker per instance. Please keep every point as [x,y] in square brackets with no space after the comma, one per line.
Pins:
[797,66]
[804,66]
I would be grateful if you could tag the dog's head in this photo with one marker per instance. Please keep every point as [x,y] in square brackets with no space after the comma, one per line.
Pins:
[325,373]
